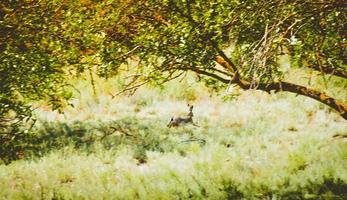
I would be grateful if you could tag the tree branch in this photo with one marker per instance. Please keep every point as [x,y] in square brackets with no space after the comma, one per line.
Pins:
[302,90]
[330,70]
[199,71]
[288,87]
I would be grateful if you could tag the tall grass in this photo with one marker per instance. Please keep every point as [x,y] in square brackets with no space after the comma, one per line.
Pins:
[257,146]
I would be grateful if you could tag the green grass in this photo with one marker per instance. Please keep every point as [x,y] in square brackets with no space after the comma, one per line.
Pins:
[259,146]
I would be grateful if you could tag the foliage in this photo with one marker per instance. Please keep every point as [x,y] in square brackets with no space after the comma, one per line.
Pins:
[41,41]
[45,43]
[173,35]
[162,40]
[243,149]
[30,68]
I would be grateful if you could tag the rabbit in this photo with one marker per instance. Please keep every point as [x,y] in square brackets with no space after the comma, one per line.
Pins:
[176,121]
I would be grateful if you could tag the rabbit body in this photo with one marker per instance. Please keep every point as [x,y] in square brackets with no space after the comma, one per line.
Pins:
[176,121]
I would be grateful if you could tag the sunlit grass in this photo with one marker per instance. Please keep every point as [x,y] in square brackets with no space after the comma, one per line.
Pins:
[240,162]
[258,146]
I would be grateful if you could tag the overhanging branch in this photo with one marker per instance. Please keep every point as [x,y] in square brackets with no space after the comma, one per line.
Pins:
[302,90]
[288,87]
[330,70]
[212,75]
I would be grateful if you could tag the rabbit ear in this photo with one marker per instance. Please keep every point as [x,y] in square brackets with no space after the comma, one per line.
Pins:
[170,122]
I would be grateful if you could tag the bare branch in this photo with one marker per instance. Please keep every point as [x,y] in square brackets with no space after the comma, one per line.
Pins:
[135,87]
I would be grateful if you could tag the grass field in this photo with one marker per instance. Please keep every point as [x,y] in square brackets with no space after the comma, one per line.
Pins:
[256,146]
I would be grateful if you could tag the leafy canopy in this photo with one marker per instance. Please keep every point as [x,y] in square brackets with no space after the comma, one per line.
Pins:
[44,43]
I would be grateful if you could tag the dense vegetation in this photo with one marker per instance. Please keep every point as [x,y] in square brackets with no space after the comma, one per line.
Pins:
[67,69]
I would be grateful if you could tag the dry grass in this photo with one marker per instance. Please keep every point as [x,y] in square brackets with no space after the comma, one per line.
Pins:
[257,146]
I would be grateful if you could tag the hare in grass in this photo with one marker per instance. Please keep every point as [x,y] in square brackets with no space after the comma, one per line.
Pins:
[176,121]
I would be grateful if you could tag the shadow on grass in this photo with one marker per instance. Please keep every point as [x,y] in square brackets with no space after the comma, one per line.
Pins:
[89,135]
[141,136]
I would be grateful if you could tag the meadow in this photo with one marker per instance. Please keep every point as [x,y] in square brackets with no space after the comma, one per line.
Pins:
[250,146]
[268,81]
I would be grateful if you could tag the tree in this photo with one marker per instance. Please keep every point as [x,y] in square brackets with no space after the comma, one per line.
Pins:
[232,42]
[42,43]
[246,39]
[31,67]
